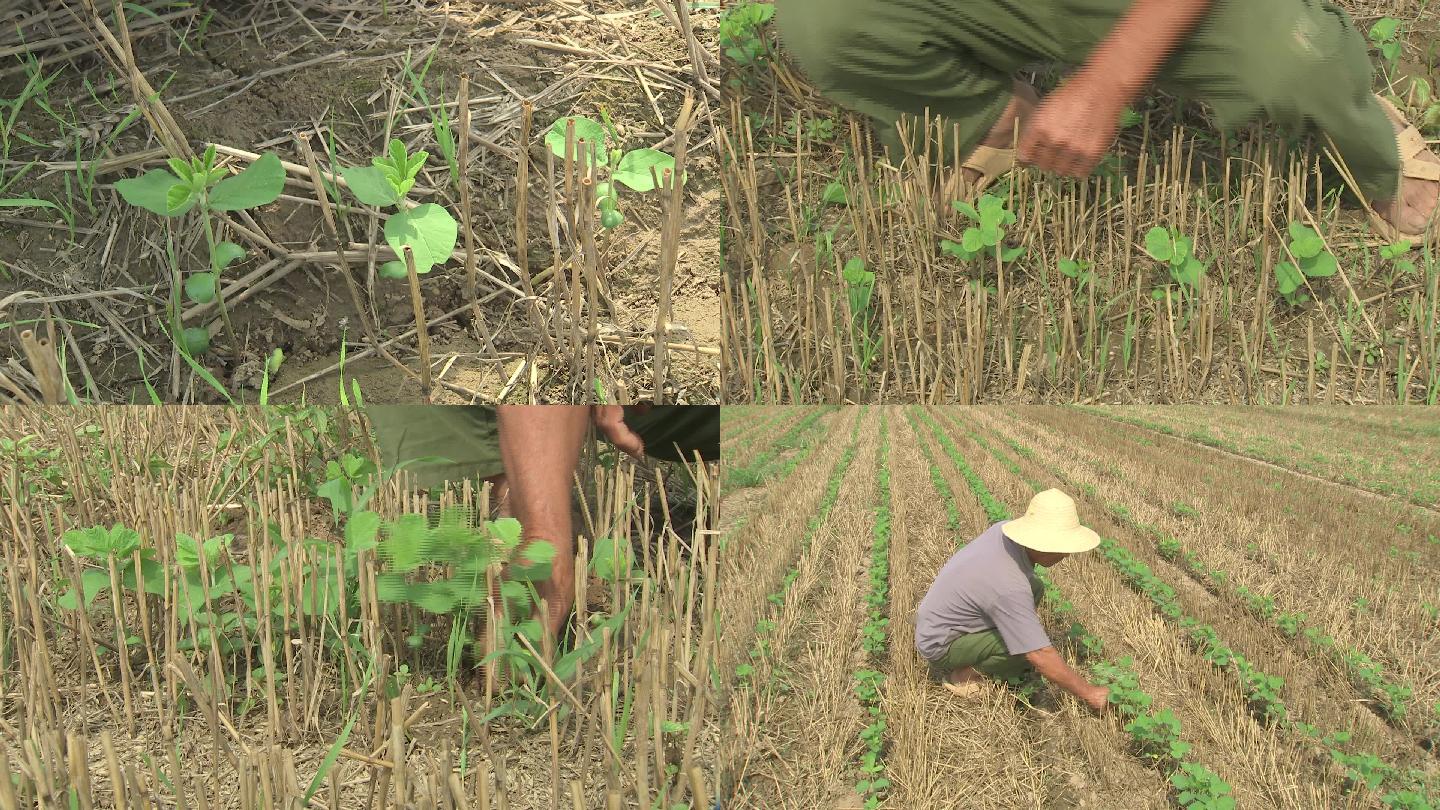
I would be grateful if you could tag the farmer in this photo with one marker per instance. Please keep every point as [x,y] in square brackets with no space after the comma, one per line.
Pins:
[529,453]
[1299,63]
[979,617]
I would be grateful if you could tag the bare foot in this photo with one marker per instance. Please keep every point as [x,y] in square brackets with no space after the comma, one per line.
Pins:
[1418,200]
[964,682]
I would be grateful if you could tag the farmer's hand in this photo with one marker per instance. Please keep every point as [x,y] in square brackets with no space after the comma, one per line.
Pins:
[610,419]
[1097,697]
[1073,127]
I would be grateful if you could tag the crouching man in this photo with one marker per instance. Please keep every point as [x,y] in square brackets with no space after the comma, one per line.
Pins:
[979,617]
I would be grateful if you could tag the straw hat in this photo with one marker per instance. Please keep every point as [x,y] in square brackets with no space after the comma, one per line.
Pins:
[1050,523]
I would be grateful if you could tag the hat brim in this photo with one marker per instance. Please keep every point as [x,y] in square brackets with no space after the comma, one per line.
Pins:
[1044,539]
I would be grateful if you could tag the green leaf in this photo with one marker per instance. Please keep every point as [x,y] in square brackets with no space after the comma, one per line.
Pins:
[972,240]
[1011,254]
[1287,278]
[187,551]
[224,255]
[391,587]
[1159,244]
[591,131]
[430,232]
[260,184]
[634,169]
[200,287]
[329,761]
[195,340]
[1384,28]
[370,186]
[538,551]
[967,209]
[989,234]
[1321,266]
[436,597]
[505,530]
[405,547]
[151,191]
[395,269]
[1190,272]
[611,559]
[361,532]
[835,194]
[92,582]
[99,543]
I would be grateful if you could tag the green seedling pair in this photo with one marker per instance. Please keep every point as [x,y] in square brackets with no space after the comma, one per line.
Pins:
[426,228]
[632,169]
[199,184]
[859,292]
[1312,260]
[986,237]
[1176,252]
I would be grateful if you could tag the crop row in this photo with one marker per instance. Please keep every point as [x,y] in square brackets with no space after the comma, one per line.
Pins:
[1390,699]
[779,473]
[760,650]
[751,427]
[1155,735]
[768,466]
[1262,690]
[874,636]
[1293,464]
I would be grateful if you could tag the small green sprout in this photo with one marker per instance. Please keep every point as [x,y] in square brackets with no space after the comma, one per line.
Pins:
[1385,36]
[1314,261]
[986,237]
[427,229]
[1177,253]
[632,169]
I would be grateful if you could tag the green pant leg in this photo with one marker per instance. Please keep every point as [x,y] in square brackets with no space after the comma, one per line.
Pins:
[1300,64]
[677,432]
[886,60]
[985,652]
[463,440]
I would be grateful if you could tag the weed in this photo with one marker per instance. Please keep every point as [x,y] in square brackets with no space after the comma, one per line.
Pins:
[740,36]
[859,290]
[1079,271]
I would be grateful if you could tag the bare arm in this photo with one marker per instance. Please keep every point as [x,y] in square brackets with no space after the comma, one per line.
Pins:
[1139,44]
[1047,662]
[1075,125]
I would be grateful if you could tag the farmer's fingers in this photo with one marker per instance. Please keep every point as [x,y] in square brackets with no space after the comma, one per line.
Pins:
[610,419]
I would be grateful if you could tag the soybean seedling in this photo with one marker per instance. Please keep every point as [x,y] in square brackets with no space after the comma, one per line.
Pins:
[741,39]
[426,228]
[1078,270]
[859,289]
[1312,260]
[198,184]
[1385,37]
[1177,253]
[632,169]
[986,237]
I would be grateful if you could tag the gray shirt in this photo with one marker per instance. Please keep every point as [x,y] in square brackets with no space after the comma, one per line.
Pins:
[988,584]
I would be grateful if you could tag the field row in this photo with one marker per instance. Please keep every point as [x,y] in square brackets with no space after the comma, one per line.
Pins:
[1290,698]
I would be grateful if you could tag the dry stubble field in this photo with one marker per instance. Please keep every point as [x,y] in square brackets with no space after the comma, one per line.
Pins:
[1270,637]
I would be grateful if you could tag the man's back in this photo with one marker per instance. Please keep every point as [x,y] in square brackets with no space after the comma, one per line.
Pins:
[987,584]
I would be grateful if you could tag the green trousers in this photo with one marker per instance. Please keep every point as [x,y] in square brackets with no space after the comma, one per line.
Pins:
[1299,63]
[463,441]
[985,652]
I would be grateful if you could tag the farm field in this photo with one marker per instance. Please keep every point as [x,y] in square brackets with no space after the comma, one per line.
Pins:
[536,279]
[1390,451]
[224,608]
[1269,637]
[1193,265]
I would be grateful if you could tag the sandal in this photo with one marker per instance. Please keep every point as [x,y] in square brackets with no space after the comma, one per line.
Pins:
[992,164]
[1412,145]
